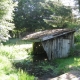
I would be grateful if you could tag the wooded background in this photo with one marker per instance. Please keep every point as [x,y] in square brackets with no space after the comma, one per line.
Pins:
[20,17]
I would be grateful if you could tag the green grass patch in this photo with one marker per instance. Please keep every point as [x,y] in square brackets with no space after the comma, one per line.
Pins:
[24,76]
[14,49]
[16,42]
[8,72]
[67,64]
[59,66]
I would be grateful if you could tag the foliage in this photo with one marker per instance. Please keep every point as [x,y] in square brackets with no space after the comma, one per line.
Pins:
[61,17]
[3,8]
[30,14]
[10,73]
[24,76]
[11,52]
[77,38]
[78,3]
[4,33]
[33,15]
[4,66]
[6,8]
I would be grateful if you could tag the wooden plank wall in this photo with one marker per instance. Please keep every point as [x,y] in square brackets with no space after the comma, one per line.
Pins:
[47,47]
[55,48]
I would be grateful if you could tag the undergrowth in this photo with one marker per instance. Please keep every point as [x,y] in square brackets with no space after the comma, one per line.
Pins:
[17,53]
[10,52]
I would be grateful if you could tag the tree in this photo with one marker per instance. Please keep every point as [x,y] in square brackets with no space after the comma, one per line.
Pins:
[6,8]
[77,3]
[61,17]
[30,14]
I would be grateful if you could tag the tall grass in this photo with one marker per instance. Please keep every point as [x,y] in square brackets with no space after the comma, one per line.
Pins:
[11,50]
[24,76]
[15,49]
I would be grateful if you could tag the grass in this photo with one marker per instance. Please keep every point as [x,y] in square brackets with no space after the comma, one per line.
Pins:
[13,50]
[16,50]
[68,64]
[59,66]
[24,76]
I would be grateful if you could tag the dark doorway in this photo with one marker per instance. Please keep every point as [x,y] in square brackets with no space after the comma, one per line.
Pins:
[38,51]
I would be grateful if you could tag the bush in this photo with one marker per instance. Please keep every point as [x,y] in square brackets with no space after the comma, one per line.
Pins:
[72,52]
[77,38]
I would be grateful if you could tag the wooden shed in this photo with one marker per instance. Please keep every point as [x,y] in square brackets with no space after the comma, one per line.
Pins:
[56,43]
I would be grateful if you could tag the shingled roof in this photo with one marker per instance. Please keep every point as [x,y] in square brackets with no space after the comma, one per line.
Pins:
[47,34]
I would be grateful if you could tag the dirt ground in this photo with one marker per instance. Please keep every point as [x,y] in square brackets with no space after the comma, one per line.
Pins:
[72,75]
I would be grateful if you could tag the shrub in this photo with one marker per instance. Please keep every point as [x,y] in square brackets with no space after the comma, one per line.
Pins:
[24,76]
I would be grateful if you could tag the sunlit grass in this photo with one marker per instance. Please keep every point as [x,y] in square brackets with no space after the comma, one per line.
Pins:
[17,51]
[13,51]
[66,64]
[62,65]
[5,65]
[24,76]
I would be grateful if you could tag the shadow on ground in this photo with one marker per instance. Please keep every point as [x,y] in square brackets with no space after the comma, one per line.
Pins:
[42,68]
[35,67]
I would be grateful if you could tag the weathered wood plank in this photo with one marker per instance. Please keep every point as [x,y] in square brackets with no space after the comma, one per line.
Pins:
[66,47]
[53,49]
[47,37]
[47,47]
[58,47]
[61,41]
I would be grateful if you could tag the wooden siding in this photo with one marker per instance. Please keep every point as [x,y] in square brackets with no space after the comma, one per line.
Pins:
[58,47]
